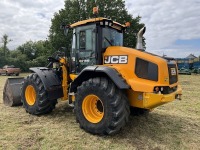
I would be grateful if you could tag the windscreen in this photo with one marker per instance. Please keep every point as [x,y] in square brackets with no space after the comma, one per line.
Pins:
[111,37]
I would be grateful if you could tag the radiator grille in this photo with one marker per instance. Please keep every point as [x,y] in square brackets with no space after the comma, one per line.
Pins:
[146,70]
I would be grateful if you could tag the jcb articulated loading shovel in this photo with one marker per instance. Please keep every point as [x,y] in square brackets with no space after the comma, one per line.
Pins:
[103,79]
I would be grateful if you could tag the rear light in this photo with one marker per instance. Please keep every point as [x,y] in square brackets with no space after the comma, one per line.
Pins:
[161,89]
[164,89]
[158,89]
[95,10]
[127,24]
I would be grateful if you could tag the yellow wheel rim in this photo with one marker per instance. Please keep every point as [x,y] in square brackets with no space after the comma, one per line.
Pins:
[30,95]
[93,108]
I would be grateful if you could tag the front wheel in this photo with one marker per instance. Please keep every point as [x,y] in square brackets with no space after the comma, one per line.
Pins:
[34,96]
[100,107]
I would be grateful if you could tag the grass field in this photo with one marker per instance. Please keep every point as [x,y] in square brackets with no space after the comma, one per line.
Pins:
[175,125]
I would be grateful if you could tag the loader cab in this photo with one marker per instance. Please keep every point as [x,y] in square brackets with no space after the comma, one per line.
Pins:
[90,40]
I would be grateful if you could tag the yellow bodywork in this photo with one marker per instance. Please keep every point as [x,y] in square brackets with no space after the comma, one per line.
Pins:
[83,22]
[128,70]
[150,100]
[141,94]
[63,63]
[72,76]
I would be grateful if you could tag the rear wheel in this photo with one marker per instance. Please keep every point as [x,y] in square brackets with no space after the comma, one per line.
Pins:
[34,96]
[100,107]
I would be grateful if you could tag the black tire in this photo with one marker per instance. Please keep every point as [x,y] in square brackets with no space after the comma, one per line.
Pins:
[114,102]
[7,74]
[17,74]
[139,111]
[41,104]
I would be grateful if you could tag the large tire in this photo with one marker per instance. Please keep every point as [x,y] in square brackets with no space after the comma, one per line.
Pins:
[34,96]
[100,107]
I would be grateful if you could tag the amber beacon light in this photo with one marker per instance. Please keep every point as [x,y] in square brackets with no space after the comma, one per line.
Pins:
[95,10]
[127,24]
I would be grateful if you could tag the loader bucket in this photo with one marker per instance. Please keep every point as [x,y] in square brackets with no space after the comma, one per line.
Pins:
[12,92]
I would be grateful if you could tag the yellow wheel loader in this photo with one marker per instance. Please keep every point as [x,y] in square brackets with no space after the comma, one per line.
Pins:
[103,79]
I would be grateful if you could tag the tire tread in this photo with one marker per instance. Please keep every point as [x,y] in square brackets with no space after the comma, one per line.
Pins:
[42,105]
[116,100]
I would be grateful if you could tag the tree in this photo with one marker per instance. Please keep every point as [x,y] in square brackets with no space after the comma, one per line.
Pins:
[33,54]
[2,58]
[5,40]
[18,59]
[30,54]
[76,10]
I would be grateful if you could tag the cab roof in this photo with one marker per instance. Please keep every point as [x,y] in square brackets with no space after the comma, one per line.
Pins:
[93,20]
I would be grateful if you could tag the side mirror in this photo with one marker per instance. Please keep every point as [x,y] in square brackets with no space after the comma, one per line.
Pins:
[63,48]
[66,29]
[62,26]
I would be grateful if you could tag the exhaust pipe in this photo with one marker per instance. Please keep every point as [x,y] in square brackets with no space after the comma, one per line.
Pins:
[139,44]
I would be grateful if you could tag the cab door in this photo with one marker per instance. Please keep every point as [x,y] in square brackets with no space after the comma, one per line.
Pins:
[83,47]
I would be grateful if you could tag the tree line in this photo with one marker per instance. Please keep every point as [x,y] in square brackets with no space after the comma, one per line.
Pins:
[33,54]
[29,54]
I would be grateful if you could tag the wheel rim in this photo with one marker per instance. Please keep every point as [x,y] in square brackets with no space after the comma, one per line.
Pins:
[93,108]
[30,95]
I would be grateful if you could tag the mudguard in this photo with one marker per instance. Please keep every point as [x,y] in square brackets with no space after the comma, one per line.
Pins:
[99,71]
[51,81]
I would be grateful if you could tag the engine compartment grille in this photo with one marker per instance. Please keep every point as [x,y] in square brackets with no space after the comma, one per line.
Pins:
[146,70]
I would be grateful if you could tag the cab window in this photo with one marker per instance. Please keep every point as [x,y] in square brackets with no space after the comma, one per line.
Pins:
[85,40]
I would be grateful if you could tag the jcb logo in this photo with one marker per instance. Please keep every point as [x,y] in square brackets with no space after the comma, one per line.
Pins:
[116,59]
[173,71]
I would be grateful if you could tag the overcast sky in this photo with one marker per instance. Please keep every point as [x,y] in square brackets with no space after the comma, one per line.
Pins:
[173,26]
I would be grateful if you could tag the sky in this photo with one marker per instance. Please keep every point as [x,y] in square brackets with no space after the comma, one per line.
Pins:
[172,26]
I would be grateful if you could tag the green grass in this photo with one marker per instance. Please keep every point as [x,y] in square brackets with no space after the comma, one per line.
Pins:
[175,125]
